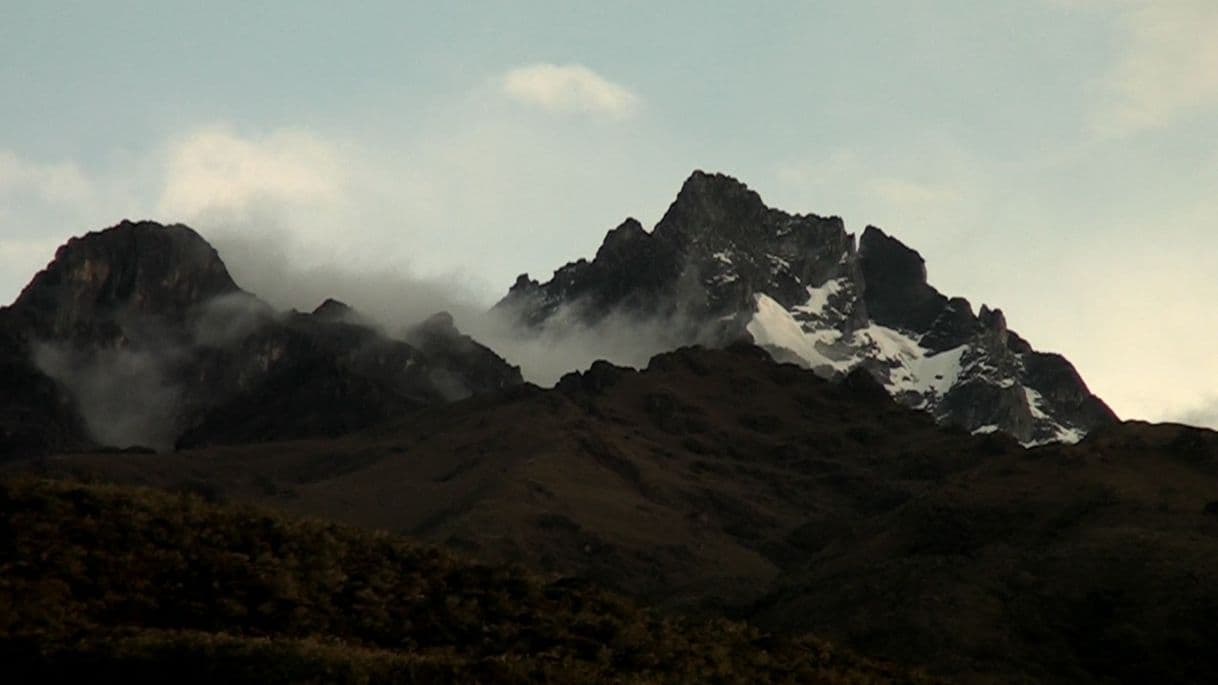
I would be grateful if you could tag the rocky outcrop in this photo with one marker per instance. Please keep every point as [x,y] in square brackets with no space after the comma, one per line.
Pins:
[721,266]
[101,282]
[897,294]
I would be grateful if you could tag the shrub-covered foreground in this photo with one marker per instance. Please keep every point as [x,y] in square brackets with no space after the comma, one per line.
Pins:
[112,583]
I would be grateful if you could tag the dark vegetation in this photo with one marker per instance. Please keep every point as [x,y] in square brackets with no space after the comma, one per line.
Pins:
[106,584]
[718,483]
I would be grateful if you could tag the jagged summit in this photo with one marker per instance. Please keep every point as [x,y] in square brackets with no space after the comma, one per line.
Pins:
[623,239]
[721,265]
[897,293]
[710,204]
[714,248]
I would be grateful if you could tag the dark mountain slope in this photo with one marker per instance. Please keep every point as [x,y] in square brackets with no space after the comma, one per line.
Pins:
[719,481]
[1083,564]
[36,417]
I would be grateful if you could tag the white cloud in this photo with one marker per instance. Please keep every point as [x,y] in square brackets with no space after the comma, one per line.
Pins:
[48,182]
[215,171]
[1168,65]
[569,88]
[464,197]
[1204,414]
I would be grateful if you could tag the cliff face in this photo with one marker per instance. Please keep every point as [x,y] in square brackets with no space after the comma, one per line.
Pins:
[99,282]
[722,266]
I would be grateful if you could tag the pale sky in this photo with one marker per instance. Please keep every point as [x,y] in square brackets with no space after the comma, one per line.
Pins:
[1054,158]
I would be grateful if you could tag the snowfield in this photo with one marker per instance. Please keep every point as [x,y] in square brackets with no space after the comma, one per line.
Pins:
[910,372]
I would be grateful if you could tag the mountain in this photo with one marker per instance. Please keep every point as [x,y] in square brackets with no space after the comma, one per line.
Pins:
[815,505]
[842,454]
[721,266]
[137,336]
[106,584]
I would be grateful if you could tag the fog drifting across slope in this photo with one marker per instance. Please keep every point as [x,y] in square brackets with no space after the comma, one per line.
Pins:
[124,395]
[137,393]
[397,300]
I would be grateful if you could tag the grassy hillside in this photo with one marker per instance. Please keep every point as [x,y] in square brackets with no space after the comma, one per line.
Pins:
[108,583]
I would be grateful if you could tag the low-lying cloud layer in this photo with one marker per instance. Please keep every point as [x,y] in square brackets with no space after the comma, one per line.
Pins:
[396,301]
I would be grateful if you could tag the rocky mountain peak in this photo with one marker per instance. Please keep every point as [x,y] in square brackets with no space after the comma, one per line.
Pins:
[993,320]
[712,207]
[137,335]
[893,254]
[440,324]
[134,268]
[334,310]
[620,242]
[897,293]
[721,266]
[715,192]
[461,366]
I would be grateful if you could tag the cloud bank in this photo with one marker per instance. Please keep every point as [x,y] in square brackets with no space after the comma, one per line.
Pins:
[569,88]
[215,170]
[1168,65]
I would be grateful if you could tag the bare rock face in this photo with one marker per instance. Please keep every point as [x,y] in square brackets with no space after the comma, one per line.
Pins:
[130,271]
[721,266]
[94,301]
[137,335]
[897,293]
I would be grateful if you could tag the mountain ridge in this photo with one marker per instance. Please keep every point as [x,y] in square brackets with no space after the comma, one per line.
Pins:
[137,335]
[721,266]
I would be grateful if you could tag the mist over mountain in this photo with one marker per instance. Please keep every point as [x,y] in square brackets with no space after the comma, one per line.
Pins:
[151,343]
[630,343]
